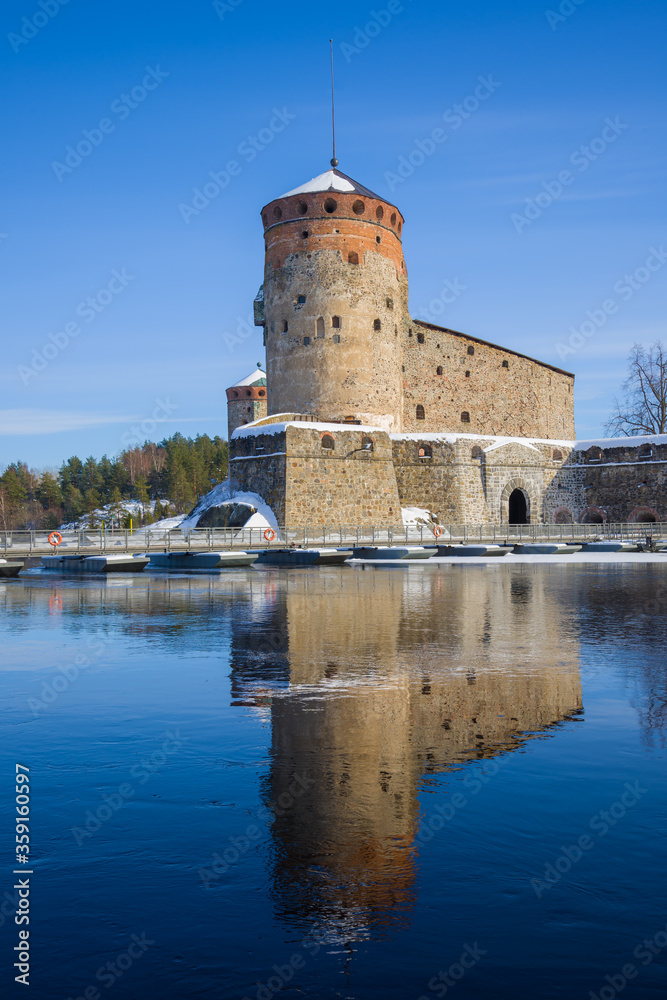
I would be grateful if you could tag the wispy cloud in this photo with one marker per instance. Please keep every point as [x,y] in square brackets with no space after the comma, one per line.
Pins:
[55,421]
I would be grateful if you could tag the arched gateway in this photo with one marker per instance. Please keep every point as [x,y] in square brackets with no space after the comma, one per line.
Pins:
[515,503]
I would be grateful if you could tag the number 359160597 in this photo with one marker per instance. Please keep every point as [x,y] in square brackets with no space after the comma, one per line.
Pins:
[22,813]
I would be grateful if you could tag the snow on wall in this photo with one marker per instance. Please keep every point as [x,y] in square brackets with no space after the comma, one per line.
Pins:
[498,441]
[254,429]
[621,442]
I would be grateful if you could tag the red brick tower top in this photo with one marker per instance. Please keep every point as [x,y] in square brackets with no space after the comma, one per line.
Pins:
[335,212]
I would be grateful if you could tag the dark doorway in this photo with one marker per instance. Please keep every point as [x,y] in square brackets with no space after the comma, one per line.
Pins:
[518,512]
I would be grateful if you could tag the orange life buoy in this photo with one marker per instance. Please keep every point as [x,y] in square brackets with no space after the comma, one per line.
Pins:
[55,538]
[437,531]
[269,534]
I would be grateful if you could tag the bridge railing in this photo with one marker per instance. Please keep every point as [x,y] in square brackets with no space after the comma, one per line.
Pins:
[27,543]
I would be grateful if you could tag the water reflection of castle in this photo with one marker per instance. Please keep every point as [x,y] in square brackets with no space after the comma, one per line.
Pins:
[374,680]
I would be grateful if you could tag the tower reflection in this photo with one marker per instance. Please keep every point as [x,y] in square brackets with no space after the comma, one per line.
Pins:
[372,681]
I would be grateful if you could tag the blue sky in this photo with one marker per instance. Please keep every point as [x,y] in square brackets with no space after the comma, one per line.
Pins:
[570,87]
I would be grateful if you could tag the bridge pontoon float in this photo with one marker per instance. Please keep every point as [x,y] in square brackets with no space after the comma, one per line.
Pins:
[95,564]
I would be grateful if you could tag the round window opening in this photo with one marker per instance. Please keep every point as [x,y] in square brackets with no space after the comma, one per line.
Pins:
[358,208]
[278,212]
[393,218]
[302,208]
[330,206]
[379,212]
[328,442]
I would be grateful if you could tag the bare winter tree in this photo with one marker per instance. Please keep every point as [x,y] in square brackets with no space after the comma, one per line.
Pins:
[642,408]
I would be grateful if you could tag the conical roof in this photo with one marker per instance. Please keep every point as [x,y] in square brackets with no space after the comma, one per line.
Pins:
[333,180]
[258,377]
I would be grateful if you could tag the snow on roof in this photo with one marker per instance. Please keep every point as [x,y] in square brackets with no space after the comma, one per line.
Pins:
[254,429]
[498,441]
[333,180]
[621,442]
[258,377]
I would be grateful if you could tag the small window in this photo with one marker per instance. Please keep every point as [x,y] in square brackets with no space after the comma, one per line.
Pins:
[367,443]
[467,374]
[393,218]
[278,212]
[645,453]
[425,451]
[438,370]
[557,455]
[248,392]
[506,364]
[471,350]
[352,257]
[477,452]
[336,338]
[377,325]
[399,227]
[390,303]
[420,338]
[285,326]
[379,212]
[301,300]
[305,234]
[330,206]
[358,208]
[335,322]
[302,208]
[328,442]
[320,327]
[421,414]
[594,454]
[306,341]
[409,333]
[378,239]
[236,395]
[465,417]
[262,392]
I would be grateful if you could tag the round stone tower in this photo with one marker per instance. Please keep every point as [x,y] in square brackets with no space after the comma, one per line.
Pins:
[335,303]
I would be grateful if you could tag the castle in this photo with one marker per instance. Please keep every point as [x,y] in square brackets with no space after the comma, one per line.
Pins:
[364,410]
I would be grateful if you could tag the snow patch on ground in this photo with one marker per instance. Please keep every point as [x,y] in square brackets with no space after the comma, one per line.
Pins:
[109,515]
[417,515]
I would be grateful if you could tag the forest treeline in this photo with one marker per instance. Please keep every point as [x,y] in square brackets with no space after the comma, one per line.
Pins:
[164,479]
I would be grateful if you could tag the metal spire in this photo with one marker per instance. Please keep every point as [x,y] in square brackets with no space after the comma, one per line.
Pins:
[334,161]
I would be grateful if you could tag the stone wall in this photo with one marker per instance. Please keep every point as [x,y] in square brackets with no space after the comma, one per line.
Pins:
[337,353]
[450,375]
[247,406]
[468,479]
[618,480]
[305,483]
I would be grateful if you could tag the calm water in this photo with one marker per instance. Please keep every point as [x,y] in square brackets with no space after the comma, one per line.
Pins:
[341,783]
